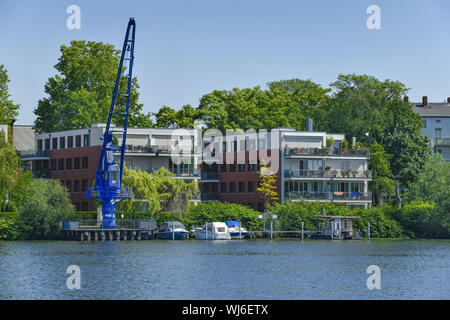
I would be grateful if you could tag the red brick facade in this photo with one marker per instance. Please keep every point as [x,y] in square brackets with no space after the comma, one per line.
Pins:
[237,183]
[77,172]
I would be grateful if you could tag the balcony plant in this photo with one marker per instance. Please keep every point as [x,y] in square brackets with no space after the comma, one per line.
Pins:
[345,145]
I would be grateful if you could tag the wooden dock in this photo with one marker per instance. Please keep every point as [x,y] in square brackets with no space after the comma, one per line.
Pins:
[96,234]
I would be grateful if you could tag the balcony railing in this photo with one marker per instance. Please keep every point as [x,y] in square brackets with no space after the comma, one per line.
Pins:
[326,152]
[332,173]
[156,149]
[330,196]
[209,196]
[27,154]
[41,173]
[445,141]
[210,176]
[180,172]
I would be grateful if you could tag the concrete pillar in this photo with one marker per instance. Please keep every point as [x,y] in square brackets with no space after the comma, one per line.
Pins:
[110,235]
[81,236]
[95,235]
[118,235]
[89,236]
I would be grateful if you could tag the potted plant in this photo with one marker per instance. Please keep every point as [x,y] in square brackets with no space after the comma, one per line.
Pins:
[345,145]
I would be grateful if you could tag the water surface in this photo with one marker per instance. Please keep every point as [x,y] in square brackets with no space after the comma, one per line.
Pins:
[253,269]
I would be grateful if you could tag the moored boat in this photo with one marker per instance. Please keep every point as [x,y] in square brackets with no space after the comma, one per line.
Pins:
[236,230]
[213,231]
[172,230]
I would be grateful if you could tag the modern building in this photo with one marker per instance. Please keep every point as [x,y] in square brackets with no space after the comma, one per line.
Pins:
[72,156]
[436,124]
[306,169]
[226,167]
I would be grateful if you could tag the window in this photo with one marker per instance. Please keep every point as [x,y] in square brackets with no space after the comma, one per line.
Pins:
[77,163]
[438,121]
[40,144]
[70,142]
[47,144]
[61,164]
[260,206]
[53,165]
[241,167]
[76,185]
[223,187]
[86,141]
[233,167]
[251,167]
[232,187]
[84,163]
[78,141]
[438,132]
[55,143]
[241,187]
[69,185]
[84,185]
[62,142]
[223,168]
[69,164]
[84,206]
[424,123]
[251,186]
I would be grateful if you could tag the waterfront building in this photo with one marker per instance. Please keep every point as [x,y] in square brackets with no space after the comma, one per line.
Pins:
[306,168]
[72,156]
[436,124]
[226,167]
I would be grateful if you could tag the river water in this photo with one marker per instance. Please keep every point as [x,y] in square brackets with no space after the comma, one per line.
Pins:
[247,269]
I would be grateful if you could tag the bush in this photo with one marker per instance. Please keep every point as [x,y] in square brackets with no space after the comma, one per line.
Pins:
[423,220]
[9,227]
[48,204]
[219,211]
[382,225]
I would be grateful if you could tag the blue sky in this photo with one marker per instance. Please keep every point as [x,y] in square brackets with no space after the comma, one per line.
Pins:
[187,48]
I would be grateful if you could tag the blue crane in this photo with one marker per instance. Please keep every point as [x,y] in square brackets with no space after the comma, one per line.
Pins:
[107,189]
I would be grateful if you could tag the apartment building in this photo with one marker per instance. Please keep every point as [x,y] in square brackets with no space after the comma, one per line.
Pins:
[72,156]
[436,124]
[306,168]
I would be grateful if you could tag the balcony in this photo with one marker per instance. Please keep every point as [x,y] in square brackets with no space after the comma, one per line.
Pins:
[332,173]
[160,149]
[328,196]
[323,152]
[180,173]
[442,142]
[209,176]
[209,196]
[35,154]
[41,173]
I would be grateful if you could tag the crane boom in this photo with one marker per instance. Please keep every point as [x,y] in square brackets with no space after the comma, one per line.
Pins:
[107,189]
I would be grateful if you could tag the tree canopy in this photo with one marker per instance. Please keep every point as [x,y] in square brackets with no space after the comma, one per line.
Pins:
[8,110]
[81,93]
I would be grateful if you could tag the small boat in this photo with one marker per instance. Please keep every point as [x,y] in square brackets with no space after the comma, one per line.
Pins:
[172,230]
[233,228]
[213,231]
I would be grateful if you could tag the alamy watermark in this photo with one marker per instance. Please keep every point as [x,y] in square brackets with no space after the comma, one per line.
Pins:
[374,280]
[74,20]
[374,20]
[74,280]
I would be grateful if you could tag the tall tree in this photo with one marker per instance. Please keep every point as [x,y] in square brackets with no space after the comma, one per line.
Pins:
[8,110]
[9,169]
[166,117]
[80,94]
[267,186]
[382,185]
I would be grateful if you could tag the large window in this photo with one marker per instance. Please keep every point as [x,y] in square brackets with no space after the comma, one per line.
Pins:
[76,185]
[78,141]
[232,187]
[241,187]
[251,186]
[86,141]
[69,164]
[69,185]
[62,142]
[77,163]
[61,164]
[55,143]
[53,165]
[223,187]
[85,163]
[70,142]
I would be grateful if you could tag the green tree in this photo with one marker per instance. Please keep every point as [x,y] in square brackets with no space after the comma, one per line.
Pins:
[9,170]
[159,191]
[48,205]
[382,185]
[267,186]
[166,117]
[8,110]
[81,93]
